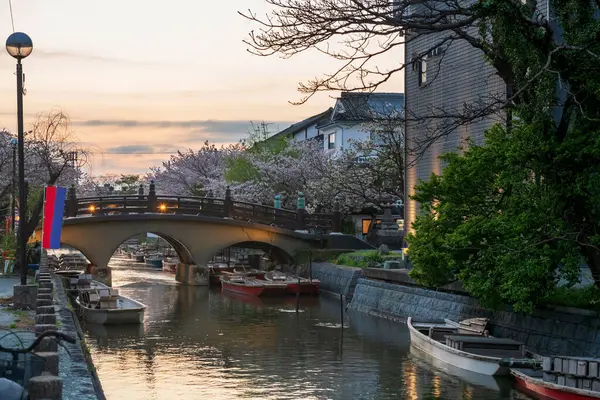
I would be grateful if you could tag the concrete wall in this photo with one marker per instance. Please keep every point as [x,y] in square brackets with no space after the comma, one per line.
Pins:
[547,331]
[456,76]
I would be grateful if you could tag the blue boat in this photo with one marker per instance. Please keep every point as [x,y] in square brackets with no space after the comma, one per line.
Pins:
[154,261]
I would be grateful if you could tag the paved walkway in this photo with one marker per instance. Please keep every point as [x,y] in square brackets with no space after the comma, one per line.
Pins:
[6,285]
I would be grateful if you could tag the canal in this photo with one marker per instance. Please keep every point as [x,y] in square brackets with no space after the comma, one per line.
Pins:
[197,343]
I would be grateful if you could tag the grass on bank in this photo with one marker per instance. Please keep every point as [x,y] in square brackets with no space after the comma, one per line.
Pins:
[364,258]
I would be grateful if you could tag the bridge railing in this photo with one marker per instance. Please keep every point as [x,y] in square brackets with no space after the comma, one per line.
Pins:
[206,206]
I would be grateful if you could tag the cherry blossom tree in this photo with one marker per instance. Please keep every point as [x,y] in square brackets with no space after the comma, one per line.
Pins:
[284,168]
[54,156]
[109,184]
[189,172]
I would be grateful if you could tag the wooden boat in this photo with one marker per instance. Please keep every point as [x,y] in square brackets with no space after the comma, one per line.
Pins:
[83,282]
[252,286]
[72,261]
[531,382]
[216,270]
[169,265]
[69,273]
[306,286]
[154,261]
[467,348]
[106,306]
[250,272]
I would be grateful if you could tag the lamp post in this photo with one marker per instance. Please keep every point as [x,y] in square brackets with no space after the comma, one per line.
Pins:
[13,185]
[19,46]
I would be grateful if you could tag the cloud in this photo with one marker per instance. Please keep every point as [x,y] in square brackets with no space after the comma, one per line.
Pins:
[67,55]
[142,149]
[131,149]
[237,127]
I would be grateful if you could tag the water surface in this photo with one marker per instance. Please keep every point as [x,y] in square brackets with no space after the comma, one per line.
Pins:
[197,343]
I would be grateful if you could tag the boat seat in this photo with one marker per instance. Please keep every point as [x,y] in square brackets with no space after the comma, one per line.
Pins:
[439,333]
[488,346]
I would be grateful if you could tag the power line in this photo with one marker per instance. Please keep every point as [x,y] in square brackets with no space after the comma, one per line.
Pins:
[12,19]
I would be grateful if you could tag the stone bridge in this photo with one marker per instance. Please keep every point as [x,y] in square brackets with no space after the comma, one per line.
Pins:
[197,228]
[298,219]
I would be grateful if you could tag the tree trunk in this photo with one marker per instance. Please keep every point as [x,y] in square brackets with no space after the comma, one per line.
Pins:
[592,256]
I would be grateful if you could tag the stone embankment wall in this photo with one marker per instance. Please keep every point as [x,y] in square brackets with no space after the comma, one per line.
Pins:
[76,369]
[548,331]
[335,279]
[66,373]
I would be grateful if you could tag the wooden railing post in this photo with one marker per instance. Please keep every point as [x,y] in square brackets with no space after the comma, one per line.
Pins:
[336,222]
[151,204]
[228,204]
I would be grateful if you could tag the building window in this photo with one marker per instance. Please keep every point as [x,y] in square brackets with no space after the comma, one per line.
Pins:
[422,71]
[331,143]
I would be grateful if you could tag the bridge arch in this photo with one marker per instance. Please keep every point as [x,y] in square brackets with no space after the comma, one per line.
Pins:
[68,246]
[185,256]
[277,253]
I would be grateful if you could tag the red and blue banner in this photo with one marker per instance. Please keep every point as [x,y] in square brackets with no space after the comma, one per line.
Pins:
[54,206]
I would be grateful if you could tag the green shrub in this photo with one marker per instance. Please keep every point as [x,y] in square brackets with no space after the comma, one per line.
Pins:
[588,297]
[363,258]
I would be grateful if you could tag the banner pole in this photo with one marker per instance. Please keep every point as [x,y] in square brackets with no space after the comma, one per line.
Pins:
[43,216]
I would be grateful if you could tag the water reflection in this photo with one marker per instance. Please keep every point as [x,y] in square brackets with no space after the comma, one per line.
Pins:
[198,343]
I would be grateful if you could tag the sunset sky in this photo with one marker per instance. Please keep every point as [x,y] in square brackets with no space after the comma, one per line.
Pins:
[142,79]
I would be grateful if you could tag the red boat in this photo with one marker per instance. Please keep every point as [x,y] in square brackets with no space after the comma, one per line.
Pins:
[307,286]
[251,272]
[215,272]
[531,382]
[252,286]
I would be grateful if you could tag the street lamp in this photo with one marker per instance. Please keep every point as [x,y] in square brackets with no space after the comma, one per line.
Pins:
[13,201]
[19,46]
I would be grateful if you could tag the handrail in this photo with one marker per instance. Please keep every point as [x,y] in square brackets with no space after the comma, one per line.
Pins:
[57,335]
[194,205]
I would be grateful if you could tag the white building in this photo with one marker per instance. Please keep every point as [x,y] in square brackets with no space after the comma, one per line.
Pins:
[355,117]
[360,116]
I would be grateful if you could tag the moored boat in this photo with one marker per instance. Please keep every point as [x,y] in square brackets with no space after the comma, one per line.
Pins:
[72,261]
[252,286]
[216,270]
[139,257]
[532,383]
[154,261]
[294,283]
[466,349]
[68,273]
[83,282]
[169,265]
[106,306]
[250,272]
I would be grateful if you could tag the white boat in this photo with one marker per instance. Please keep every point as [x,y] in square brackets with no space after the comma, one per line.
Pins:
[75,289]
[467,349]
[106,306]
